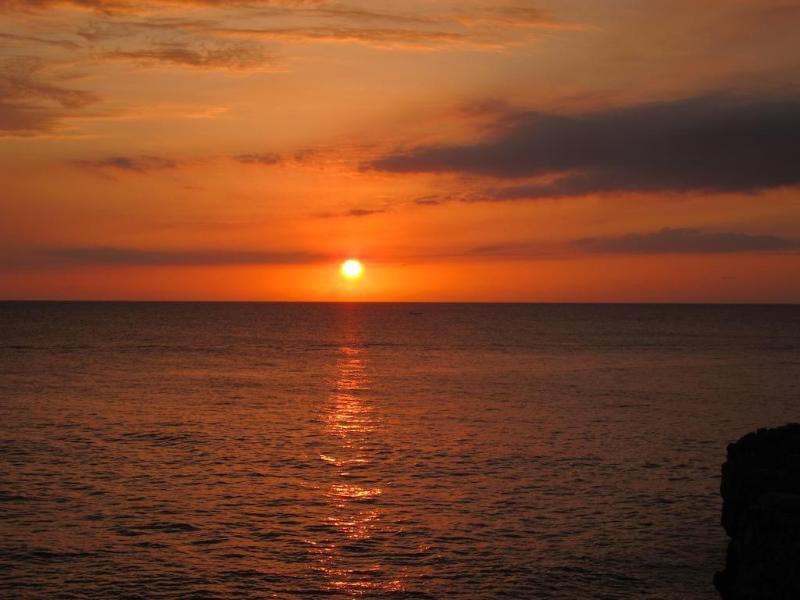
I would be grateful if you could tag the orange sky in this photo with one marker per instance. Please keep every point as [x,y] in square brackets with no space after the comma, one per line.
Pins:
[464,150]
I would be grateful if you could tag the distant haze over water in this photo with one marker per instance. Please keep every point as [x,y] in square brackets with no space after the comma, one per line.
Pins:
[175,450]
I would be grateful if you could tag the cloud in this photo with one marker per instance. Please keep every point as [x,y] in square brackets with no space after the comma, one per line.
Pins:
[13,37]
[664,241]
[380,37]
[139,164]
[23,120]
[332,10]
[354,212]
[708,144]
[29,105]
[512,16]
[683,241]
[240,56]
[331,22]
[429,200]
[268,158]
[517,251]
[18,82]
[112,256]
[133,6]
[157,29]
[365,212]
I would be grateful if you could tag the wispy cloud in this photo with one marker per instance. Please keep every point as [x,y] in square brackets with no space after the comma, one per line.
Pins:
[239,56]
[684,241]
[266,159]
[512,15]
[58,43]
[517,251]
[138,164]
[30,105]
[488,26]
[664,241]
[137,6]
[357,212]
[708,144]
[365,212]
[115,256]
[430,200]
[380,37]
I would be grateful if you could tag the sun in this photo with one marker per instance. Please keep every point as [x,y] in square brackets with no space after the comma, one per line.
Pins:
[352,269]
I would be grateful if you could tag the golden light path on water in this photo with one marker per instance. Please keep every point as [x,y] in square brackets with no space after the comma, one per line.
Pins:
[353,495]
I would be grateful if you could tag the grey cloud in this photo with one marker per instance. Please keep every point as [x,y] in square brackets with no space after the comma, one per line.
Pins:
[112,256]
[664,241]
[383,37]
[29,105]
[18,82]
[516,251]
[16,119]
[59,43]
[684,241]
[522,192]
[354,212]
[365,212]
[512,16]
[268,158]
[284,21]
[131,6]
[100,30]
[140,163]
[429,200]
[708,144]
[351,13]
[228,56]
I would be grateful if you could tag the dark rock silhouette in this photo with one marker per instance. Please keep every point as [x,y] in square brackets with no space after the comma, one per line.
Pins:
[761,514]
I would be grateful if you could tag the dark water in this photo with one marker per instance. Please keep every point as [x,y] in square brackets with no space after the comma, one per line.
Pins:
[316,451]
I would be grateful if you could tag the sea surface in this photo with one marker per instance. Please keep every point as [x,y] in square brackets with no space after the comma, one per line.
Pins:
[189,450]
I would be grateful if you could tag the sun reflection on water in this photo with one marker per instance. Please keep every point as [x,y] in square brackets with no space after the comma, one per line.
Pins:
[347,558]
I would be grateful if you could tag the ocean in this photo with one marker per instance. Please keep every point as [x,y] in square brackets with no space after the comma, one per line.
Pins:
[465,451]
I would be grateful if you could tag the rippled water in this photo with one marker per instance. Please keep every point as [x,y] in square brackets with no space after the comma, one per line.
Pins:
[408,451]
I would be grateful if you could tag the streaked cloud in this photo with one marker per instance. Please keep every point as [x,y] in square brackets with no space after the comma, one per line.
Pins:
[120,256]
[357,212]
[138,164]
[512,15]
[266,159]
[431,200]
[365,212]
[194,32]
[712,143]
[30,104]
[133,6]
[239,56]
[664,241]
[488,26]
[684,241]
[380,37]
[58,43]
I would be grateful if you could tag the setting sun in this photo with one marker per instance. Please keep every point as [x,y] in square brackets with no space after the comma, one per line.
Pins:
[352,269]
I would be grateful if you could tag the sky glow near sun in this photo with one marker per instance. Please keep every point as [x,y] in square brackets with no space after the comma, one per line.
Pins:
[493,150]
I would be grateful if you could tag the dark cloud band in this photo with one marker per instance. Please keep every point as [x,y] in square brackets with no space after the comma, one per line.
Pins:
[110,256]
[684,241]
[664,241]
[708,144]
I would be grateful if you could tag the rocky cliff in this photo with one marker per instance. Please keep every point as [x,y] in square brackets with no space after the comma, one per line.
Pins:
[761,514]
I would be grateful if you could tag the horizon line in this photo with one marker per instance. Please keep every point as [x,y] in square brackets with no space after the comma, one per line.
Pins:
[431,302]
